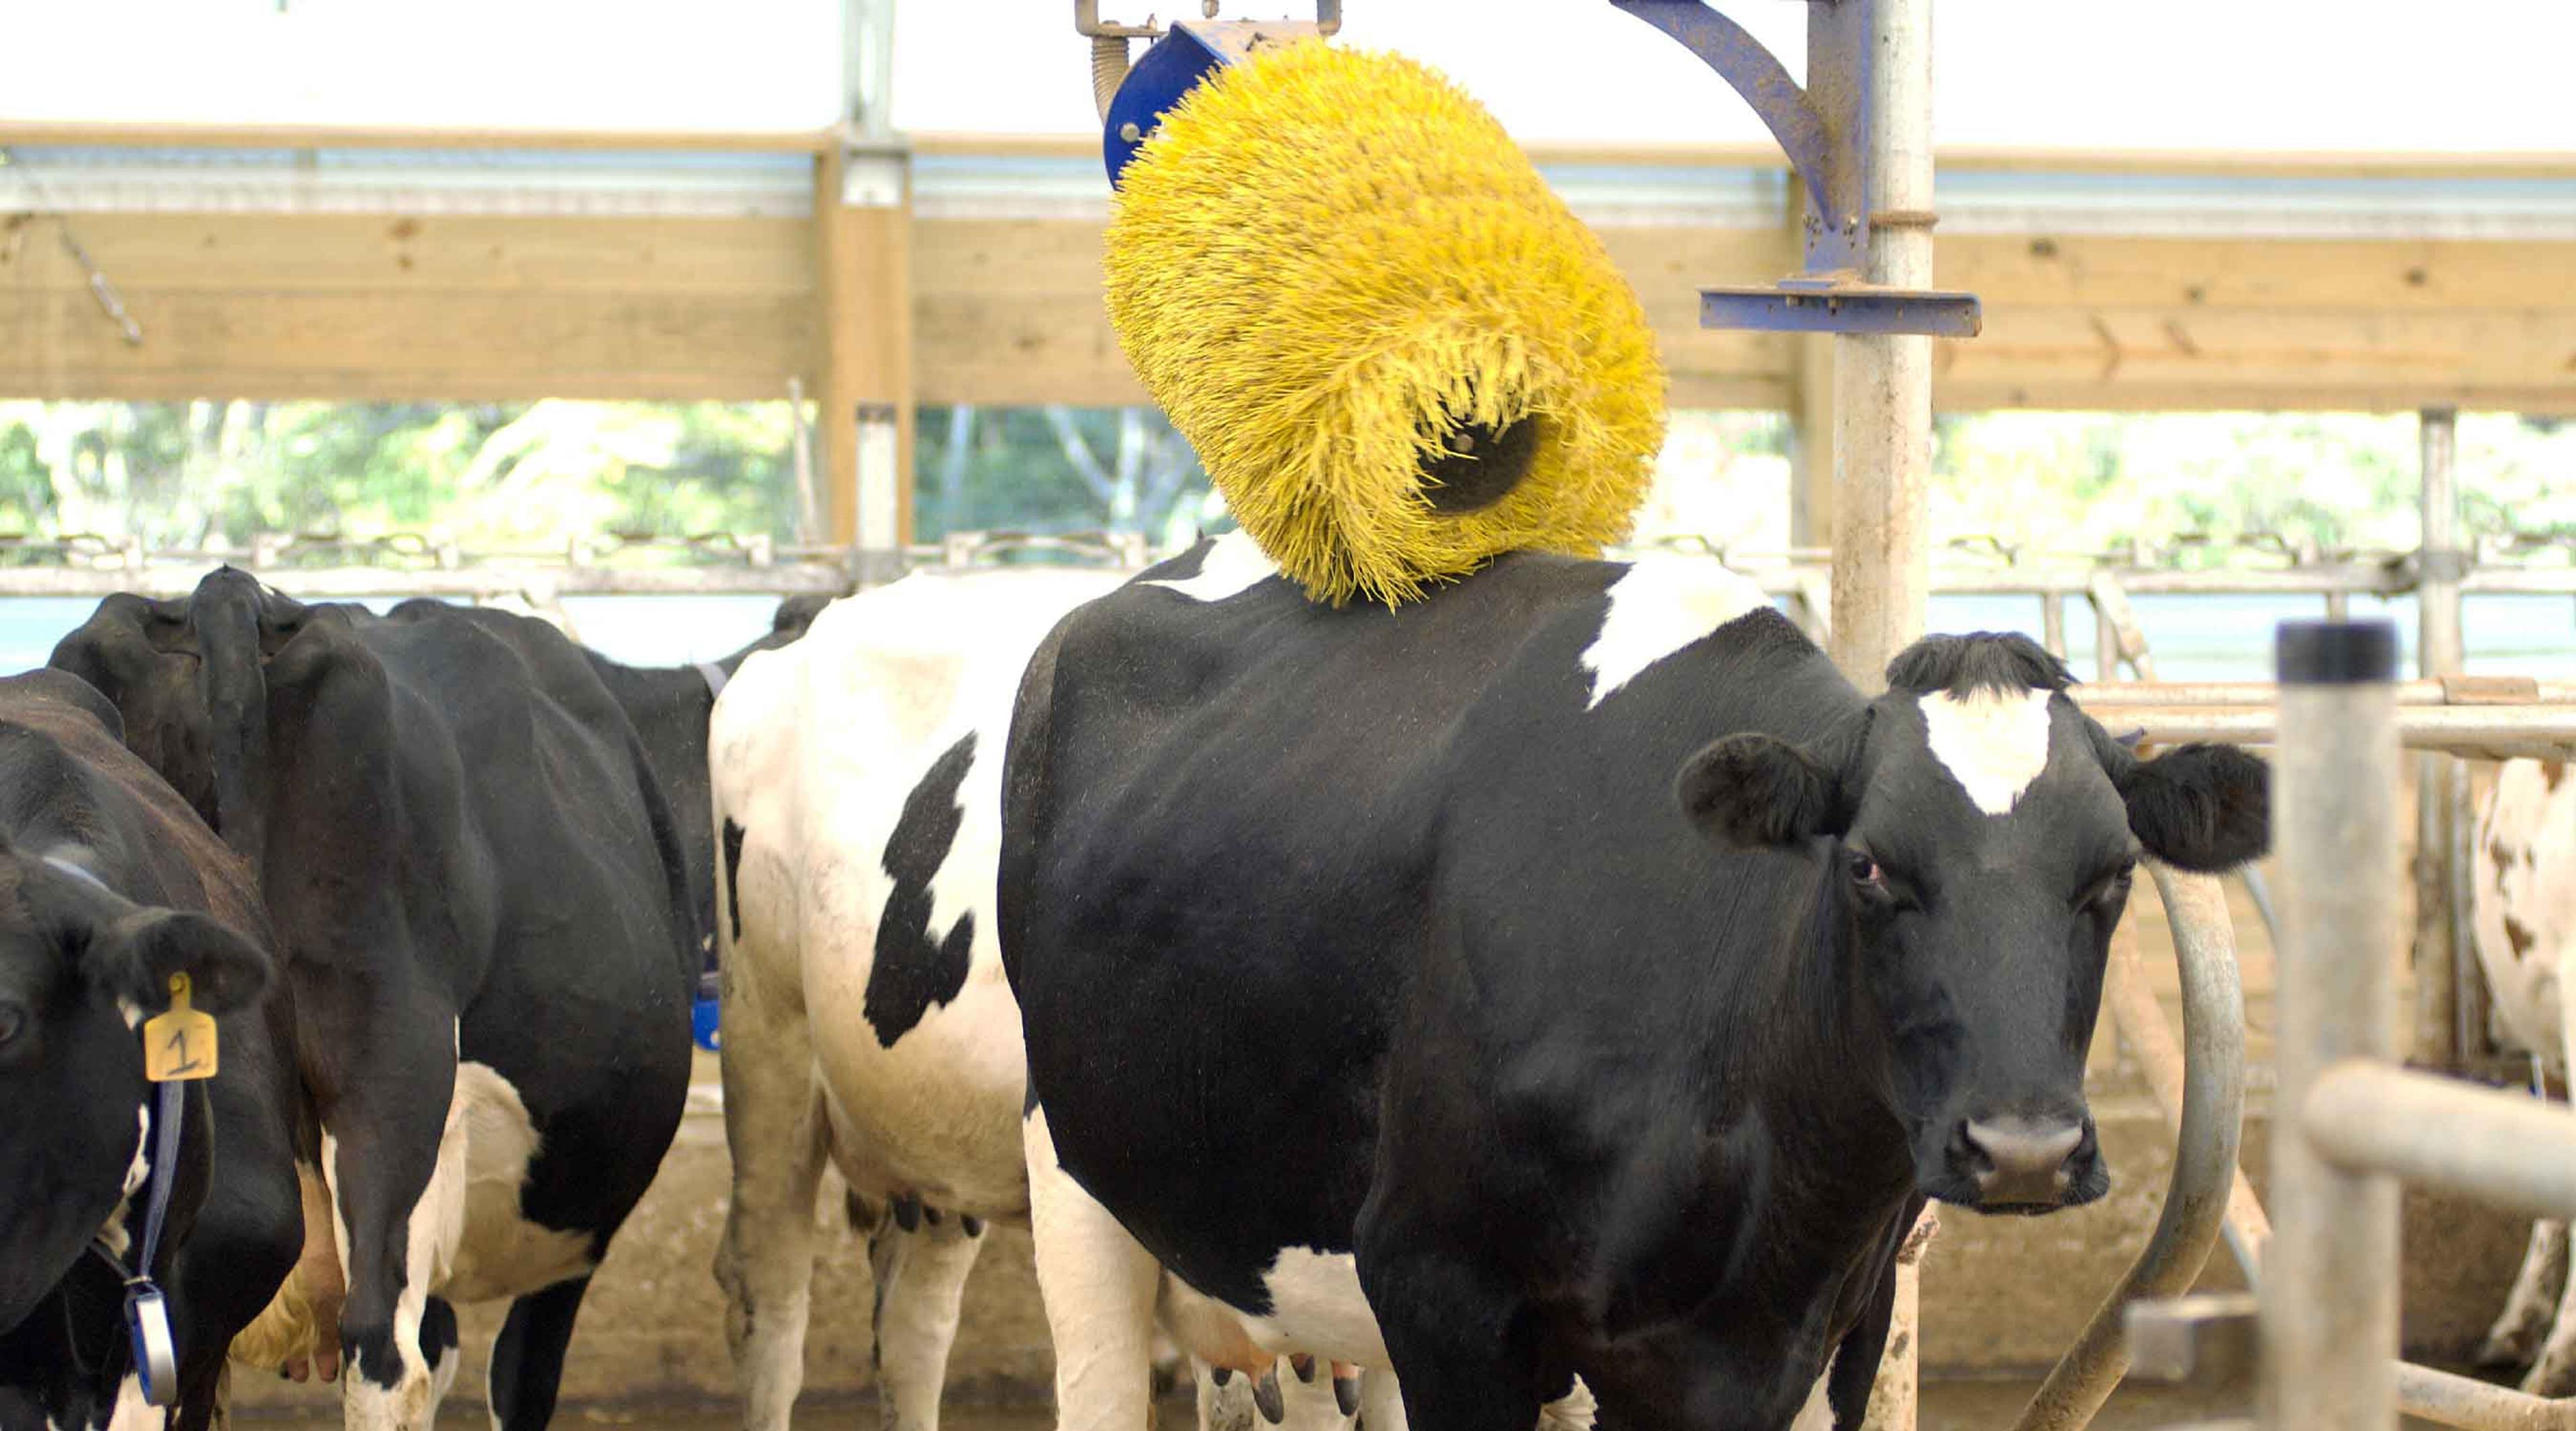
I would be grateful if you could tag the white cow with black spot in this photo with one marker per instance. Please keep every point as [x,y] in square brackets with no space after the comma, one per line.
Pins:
[2525,918]
[857,794]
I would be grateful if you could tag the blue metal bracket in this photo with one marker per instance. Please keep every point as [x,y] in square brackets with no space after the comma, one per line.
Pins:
[1823,128]
[1186,55]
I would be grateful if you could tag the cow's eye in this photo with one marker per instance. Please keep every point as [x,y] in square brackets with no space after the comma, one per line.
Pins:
[1865,871]
[2113,885]
[13,1021]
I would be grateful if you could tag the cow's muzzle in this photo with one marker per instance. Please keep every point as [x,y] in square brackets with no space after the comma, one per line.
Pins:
[2020,1164]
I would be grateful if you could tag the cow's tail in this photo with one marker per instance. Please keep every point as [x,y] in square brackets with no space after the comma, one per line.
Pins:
[226,614]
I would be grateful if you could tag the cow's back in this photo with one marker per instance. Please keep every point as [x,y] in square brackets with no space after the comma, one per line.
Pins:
[560,807]
[857,778]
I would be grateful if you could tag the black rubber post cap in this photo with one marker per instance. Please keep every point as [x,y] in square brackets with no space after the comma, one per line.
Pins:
[2336,653]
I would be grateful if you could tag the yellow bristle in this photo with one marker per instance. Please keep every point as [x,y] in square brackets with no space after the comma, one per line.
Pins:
[1324,261]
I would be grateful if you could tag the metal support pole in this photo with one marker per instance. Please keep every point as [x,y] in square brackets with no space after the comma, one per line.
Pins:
[1879,53]
[2329,1296]
[2437,1042]
[1882,382]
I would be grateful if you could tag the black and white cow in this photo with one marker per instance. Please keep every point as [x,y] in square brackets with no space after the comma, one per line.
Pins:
[109,885]
[2524,919]
[1567,976]
[857,781]
[484,920]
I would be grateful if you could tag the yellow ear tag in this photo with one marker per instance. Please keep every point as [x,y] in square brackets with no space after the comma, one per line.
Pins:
[179,1045]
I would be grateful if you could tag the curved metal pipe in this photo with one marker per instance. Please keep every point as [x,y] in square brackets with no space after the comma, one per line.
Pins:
[2207,1088]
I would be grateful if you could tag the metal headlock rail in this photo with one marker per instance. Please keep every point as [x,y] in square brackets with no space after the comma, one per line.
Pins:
[2198,1082]
[2320,1334]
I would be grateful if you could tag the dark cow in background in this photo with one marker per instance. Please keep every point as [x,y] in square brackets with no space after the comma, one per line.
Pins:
[109,885]
[483,913]
[1565,983]
[671,706]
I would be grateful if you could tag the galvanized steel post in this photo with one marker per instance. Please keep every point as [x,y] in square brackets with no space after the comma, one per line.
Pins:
[2329,1294]
[1883,382]
[1882,538]
[2442,1037]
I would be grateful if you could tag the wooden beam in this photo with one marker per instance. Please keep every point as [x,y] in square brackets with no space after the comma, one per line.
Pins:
[888,288]
[2134,357]
[423,346]
[365,307]
[863,281]
[841,341]
[532,256]
[2411,275]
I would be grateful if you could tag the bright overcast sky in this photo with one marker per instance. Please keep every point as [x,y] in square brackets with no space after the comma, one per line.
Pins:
[2093,74]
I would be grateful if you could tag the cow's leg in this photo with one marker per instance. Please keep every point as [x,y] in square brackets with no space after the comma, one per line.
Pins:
[1100,1287]
[528,1356]
[439,1342]
[2553,1373]
[395,1144]
[920,1281]
[2515,1338]
[1444,1319]
[1381,1401]
[765,1263]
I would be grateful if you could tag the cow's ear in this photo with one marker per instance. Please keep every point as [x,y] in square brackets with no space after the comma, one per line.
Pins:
[1750,791]
[134,957]
[2204,808]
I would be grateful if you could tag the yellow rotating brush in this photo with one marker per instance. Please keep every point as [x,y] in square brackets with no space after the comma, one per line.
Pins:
[1396,350]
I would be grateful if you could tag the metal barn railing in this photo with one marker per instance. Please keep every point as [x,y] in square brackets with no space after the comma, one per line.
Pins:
[2322,1328]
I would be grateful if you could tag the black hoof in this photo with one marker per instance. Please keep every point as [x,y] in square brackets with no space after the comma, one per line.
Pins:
[974,1225]
[1266,1395]
[1221,1374]
[1346,1394]
[907,1213]
[1304,1366]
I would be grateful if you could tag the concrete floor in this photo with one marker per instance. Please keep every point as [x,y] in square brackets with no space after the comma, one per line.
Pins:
[1947,1406]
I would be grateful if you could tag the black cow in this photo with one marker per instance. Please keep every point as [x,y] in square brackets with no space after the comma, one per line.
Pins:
[670,706]
[484,917]
[109,885]
[1570,974]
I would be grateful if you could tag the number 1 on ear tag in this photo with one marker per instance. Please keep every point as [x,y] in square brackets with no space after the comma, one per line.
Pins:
[179,1045]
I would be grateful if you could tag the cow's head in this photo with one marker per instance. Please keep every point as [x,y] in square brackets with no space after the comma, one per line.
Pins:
[186,679]
[80,968]
[1984,833]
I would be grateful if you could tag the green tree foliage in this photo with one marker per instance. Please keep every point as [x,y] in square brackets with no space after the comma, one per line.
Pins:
[531,476]
[1057,469]
[489,476]
[2091,482]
